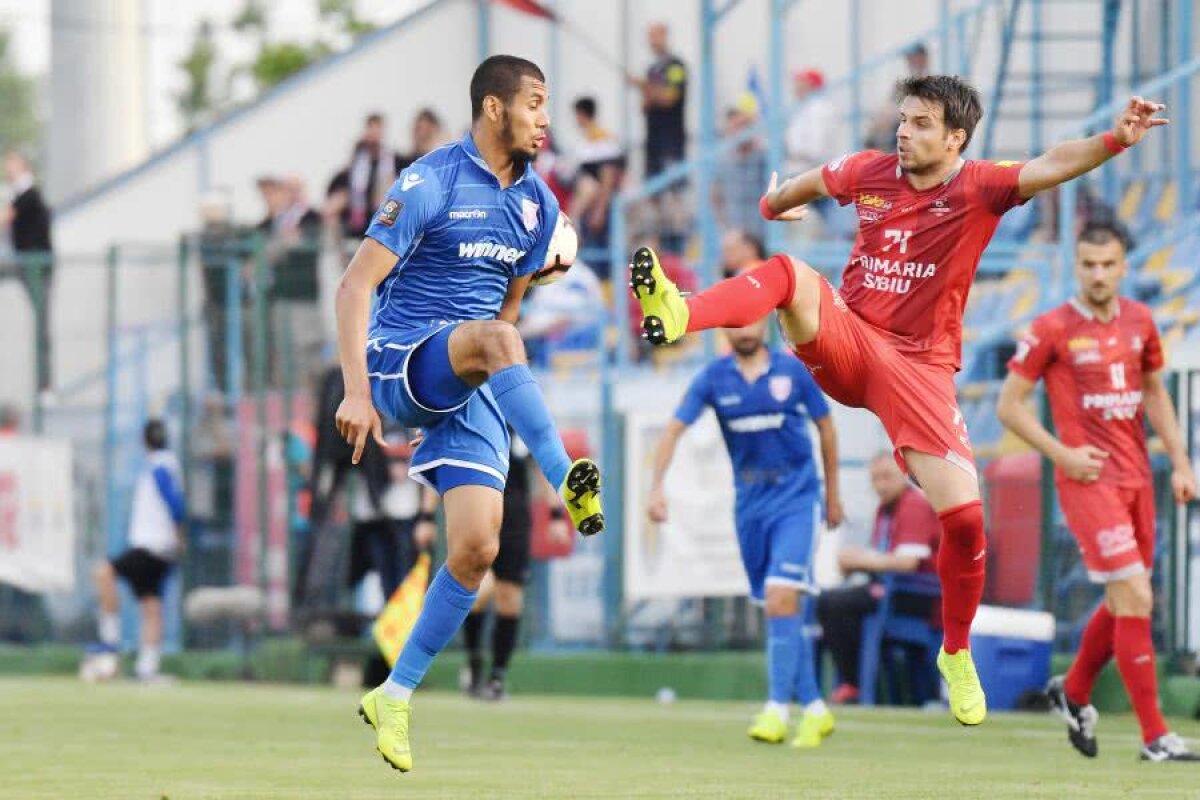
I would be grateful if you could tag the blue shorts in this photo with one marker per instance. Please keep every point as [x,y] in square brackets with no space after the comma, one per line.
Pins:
[777,547]
[466,437]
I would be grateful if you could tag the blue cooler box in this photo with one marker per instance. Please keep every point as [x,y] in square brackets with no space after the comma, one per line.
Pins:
[1011,648]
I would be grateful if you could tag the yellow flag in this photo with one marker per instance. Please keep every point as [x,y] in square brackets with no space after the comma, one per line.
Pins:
[396,621]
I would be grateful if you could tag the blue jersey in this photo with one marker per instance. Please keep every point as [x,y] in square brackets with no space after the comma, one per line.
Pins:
[458,238]
[765,424]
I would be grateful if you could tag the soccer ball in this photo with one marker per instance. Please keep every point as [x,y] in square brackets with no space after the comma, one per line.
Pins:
[100,667]
[564,245]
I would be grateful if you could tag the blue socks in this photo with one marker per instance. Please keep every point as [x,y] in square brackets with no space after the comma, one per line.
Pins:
[446,606]
[783,650]
[521,400]
[807,689]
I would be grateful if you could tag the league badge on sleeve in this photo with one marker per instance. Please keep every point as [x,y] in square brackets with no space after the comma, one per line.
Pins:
[389,212]
[780,387]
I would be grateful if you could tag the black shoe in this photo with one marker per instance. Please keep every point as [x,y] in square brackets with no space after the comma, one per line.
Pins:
[1168,747]
[492,691]
[1081,720]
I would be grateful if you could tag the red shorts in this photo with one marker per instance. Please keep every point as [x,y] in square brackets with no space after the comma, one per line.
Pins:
[860,365]
[1113,526]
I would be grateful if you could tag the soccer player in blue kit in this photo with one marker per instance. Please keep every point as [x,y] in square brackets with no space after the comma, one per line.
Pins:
[449,255]
[764,400]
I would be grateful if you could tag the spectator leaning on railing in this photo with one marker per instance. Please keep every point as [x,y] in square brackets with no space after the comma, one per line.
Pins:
[28,221]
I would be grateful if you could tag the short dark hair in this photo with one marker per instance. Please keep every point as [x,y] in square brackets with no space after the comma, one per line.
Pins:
[1100,233]
[500,76]
[430,116]
[155,434]
[586,106]
[756,244]
[961,107]
[374,118]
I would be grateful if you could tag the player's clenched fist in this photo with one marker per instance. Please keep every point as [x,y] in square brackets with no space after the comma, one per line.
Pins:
[1083,463]
[657,505]
[356,420]
[1183,485]
[1137,118]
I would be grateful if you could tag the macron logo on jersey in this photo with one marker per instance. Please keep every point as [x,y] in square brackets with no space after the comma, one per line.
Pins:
[410,180]
[505,255]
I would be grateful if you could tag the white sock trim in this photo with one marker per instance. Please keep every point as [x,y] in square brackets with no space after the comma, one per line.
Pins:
[817,707]
[779,708]
[396,691]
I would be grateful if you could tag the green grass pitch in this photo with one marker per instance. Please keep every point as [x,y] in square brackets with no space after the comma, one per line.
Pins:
[63,739]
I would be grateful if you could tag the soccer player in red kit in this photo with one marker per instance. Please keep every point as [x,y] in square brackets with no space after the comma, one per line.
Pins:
[890,339]
[1101,358]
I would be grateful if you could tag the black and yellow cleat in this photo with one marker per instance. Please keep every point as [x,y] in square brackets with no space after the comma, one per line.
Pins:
[664,312]
[580,492]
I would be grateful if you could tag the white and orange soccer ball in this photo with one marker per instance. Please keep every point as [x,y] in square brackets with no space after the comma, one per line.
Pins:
[564,246]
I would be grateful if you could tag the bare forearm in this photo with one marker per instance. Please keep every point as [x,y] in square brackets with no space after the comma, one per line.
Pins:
[663,454]
[1020,419]
[1161,412]
[1063,162]
[796,191]
[353,304]
[829,460]
[429,500]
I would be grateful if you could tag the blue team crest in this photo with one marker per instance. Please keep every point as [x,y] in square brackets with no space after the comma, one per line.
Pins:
[529,214]
[780,387]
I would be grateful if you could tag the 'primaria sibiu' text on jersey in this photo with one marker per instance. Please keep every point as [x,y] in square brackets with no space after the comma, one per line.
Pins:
[764,424]
[458,237]
[917,251]
[1094,374]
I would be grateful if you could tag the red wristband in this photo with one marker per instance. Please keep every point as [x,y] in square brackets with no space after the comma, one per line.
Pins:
[1112,145]
[765,209]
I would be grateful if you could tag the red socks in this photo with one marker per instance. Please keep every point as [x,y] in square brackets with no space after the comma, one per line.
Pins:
[744,299]
[1135,659]
[1095,649]
[960,565]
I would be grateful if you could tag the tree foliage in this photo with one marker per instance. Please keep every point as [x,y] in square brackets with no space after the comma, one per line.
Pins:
[20,127]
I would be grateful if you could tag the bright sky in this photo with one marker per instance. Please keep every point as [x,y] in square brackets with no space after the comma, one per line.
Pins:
[169,27]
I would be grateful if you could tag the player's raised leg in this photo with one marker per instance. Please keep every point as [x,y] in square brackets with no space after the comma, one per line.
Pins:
[492,352]
[473,514]
[962,555]
[780,283]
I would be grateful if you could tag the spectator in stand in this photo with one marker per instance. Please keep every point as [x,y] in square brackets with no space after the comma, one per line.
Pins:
[356,191]
[553,170]
[740,251]
[427,136]
[809,137]
[881,133]
[221,255]
[293,236]
[664,97]
[904,540]
[28,219]
[601,162]
[742,174]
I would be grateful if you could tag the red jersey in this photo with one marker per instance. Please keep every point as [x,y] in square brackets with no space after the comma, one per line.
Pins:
[1094,372]
[909,526]
[916,252]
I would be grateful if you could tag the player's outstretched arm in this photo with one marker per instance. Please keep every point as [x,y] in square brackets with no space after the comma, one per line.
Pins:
[1161,411]
[1079,463]
[356,416]
[663,455]
[1071,159]
[786,201]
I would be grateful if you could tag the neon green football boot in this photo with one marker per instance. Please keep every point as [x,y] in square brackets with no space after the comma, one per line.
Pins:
[664,312]
[768,727]
[813,729]
[967,701]
[580,492]
[389,717]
